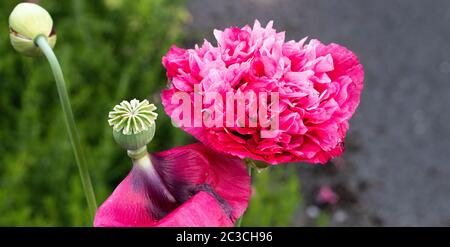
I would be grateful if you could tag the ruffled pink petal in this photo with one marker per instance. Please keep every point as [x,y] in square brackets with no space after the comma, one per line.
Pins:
[176,60]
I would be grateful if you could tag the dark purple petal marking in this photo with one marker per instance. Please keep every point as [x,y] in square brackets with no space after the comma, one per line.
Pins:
[159,203]
[223,203]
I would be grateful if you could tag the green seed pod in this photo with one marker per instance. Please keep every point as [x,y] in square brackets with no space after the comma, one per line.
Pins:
[26,22]
[133,123]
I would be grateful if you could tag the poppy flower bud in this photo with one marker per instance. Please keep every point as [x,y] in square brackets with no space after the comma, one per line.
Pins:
[26,22]
[133,124]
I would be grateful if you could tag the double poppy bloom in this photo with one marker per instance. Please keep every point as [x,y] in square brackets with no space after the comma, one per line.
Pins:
[319,88]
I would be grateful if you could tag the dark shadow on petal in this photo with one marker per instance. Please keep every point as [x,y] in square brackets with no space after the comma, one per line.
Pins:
[223,203]
[159,205]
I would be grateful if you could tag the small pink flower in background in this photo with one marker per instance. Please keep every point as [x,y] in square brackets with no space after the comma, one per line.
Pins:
[319,89]
[186,186]
[326,195]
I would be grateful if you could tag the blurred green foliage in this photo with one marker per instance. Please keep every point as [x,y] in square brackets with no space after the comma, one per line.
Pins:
[276,197]
[109,50]
[323,220]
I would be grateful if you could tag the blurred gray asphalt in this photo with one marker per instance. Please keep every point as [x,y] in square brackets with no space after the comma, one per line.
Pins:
[397,163]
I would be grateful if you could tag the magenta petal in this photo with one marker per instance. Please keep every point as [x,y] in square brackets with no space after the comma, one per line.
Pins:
[125,207]
[195,164]
[200,211]
[231,181]
[201,181]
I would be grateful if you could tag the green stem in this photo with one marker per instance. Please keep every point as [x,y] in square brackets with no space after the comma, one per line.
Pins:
[239,221]
[42,42]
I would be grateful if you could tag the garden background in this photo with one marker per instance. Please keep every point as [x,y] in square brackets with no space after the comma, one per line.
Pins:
[395,170]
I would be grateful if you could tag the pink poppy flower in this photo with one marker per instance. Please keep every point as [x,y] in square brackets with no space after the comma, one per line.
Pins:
[186,186]
[318,87]
[326,195]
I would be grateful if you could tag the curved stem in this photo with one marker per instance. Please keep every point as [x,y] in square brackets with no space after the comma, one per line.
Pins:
[42,42]
[239,221]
